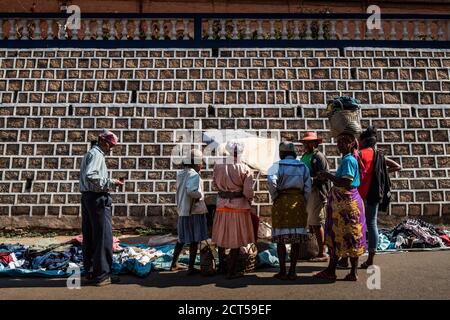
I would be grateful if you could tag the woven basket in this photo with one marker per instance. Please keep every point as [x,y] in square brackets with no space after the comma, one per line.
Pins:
[207,260]
[309,249]
[345,121]
[247,261]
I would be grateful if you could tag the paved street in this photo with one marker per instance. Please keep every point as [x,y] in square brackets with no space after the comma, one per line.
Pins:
[412,275]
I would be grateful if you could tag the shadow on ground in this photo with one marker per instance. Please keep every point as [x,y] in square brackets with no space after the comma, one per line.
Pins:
[166,279]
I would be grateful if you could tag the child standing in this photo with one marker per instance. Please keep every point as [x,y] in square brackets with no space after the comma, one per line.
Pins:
[192,226]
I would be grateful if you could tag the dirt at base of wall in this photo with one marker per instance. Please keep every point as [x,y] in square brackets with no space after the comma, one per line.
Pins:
[125,224]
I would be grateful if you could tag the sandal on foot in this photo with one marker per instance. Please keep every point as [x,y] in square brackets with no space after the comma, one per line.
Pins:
[319,259]
[325,275]
[280,276]
[351,277]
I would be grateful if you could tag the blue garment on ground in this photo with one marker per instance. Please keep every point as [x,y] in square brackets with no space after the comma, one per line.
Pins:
[383,242]
[51,261]
[268,258]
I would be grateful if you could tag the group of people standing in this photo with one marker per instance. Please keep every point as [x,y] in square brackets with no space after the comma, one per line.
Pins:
[337,208]
[307,198]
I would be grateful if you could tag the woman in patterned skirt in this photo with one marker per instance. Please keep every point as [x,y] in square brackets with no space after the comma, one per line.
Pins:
[345,226]
[289,185]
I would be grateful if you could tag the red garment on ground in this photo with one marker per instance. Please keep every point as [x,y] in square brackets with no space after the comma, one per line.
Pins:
[79,240]
[5,258]
[445,239]
[367,156]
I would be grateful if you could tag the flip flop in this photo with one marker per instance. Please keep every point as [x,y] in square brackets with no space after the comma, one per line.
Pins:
[351,277]
[325,276]
[319,259]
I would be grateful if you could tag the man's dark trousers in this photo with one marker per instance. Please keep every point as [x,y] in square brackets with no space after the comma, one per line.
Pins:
[97,234]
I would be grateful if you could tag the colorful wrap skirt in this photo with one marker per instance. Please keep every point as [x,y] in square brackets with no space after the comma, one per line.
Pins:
[345,225]
[289,217]
[232,228]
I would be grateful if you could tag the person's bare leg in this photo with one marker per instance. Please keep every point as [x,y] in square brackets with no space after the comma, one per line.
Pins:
[369,260]
[352,276]
[281,252]
[222,265]
[330,271]
[343,263]
[232,264]
[320,236]
[295,252]
[192,255]
[176,255]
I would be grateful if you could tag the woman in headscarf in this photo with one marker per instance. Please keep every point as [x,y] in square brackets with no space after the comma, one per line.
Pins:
[191,207]
[232,226]
[345,226]
[289,185]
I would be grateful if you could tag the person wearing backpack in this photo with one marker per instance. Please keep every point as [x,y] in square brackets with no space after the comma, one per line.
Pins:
[375,186]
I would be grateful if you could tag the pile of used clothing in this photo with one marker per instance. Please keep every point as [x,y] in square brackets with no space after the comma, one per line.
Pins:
[54,260]
[414,234]
[343,115]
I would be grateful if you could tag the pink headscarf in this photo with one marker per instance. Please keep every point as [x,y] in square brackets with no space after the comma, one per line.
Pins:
[109,137]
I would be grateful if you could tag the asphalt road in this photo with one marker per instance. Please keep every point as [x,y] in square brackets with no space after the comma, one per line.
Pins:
[412,275]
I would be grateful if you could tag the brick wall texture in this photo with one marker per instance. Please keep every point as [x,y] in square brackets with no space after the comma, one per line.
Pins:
[55,101]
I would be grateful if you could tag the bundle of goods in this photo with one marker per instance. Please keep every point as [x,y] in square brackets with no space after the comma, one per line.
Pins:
[343,114]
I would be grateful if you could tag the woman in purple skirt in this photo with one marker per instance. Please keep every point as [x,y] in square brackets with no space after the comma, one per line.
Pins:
[345,226]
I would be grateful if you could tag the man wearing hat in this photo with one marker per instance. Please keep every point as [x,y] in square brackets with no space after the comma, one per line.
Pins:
[96,210]
[316,162]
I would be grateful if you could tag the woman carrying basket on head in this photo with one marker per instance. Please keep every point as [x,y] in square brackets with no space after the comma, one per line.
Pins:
[345,226]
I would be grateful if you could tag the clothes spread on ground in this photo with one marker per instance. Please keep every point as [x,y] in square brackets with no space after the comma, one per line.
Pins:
[53,260]
[415,234]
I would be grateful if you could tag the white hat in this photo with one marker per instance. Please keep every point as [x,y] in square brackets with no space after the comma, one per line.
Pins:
[194,156]
[233,146]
